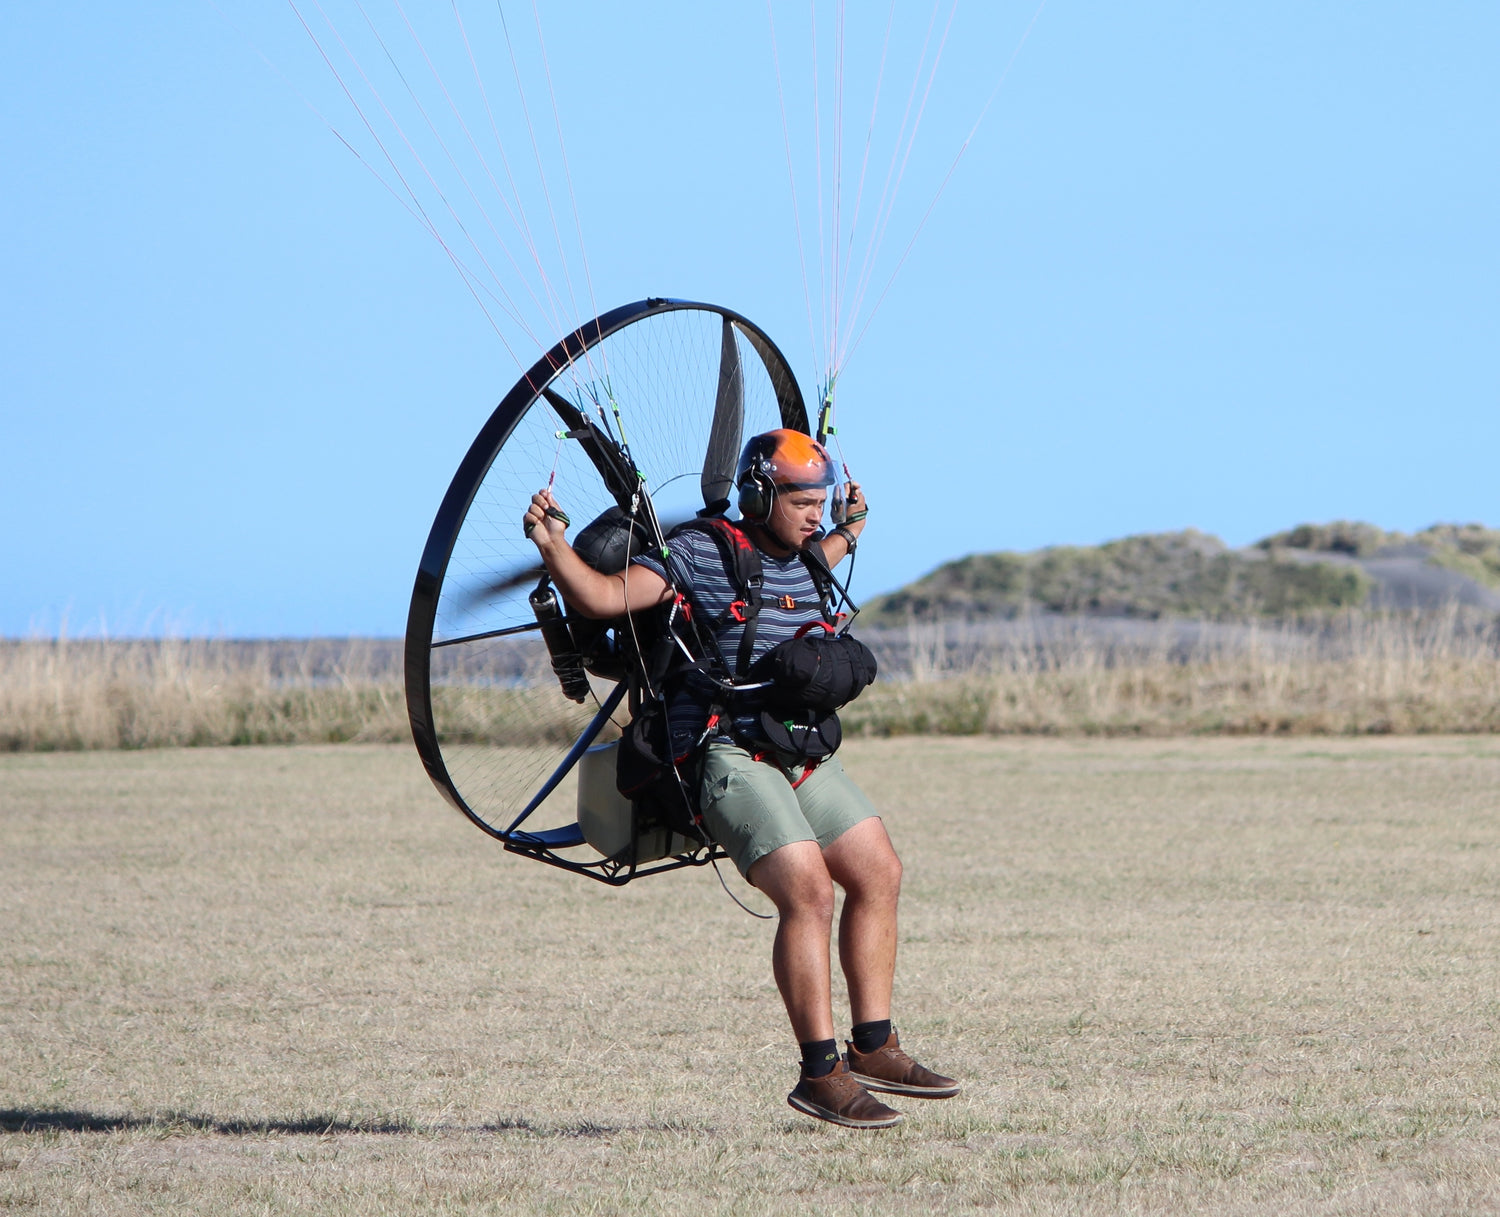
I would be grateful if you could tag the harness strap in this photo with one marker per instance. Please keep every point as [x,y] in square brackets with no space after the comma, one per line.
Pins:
[770,758]
[752,623]
[822,576]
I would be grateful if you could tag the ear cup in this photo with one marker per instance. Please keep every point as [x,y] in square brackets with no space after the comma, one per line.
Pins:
[756,493]
[755,503]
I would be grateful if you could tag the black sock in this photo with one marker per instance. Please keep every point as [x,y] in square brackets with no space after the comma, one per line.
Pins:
[819,1057]
[869,1036]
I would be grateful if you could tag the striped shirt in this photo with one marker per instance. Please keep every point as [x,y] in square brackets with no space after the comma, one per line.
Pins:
[789,600]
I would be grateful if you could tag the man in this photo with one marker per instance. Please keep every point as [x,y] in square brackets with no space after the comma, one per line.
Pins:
[793,829]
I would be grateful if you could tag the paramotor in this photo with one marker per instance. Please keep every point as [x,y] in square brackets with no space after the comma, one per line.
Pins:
[637,416]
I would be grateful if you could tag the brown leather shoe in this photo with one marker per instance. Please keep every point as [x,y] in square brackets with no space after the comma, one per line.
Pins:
[839,1099]
[890,1070]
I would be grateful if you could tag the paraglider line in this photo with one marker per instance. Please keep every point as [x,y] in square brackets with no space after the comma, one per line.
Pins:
[901,173]
[401,76]
[944,184]
[812,329]
[420,212]
[554,301]
[464,127]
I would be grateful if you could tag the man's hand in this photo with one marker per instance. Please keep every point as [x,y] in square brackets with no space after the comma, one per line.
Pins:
[849,522]
[855,508]
[851,519]
[545,522]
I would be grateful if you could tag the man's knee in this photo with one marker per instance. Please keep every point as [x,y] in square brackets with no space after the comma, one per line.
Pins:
[864,863]
[797,881]
[893,871]
[813,897]
[882,874]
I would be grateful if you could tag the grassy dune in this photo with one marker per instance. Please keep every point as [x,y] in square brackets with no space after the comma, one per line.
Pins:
[1183,573]
[1213,975]
[1313,568]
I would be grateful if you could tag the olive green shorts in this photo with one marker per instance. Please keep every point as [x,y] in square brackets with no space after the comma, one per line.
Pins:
[751,809]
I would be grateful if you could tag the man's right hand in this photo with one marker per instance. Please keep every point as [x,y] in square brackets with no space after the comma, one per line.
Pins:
[545,522]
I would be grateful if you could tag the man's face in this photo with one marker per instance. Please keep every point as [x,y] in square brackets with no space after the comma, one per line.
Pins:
[796,515]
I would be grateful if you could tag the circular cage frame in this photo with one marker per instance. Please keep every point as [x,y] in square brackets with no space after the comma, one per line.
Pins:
[614,468]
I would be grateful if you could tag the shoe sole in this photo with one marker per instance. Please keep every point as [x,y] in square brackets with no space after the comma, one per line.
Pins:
[822,1113]
[915,1092]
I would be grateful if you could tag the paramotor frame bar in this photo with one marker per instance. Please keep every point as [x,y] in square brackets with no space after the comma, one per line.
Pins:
[543,845]
[580,746]
[612,871]
[527,627]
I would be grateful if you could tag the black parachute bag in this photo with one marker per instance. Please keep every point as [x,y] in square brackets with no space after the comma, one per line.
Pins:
[817,671]
[812,676]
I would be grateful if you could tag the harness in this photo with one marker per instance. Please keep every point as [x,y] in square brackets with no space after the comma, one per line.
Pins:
[746,571]
[687,641]
[662,768]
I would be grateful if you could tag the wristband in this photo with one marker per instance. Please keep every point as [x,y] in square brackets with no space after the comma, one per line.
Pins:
[849,538]
[854,517]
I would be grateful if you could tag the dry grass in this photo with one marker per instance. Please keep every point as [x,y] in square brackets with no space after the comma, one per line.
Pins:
[1212,975]
[1353,674]
[62,695]
[70,694]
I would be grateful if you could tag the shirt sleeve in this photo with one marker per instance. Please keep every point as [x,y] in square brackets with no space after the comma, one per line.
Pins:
[681,567]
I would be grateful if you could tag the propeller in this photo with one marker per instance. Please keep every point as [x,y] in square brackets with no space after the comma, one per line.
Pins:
[504,581]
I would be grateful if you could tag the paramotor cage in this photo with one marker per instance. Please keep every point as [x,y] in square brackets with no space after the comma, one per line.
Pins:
[644,397]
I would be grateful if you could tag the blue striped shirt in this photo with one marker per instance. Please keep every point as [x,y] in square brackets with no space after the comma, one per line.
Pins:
[789,600]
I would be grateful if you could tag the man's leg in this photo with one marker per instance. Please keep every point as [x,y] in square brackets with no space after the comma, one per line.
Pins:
[864,863]
[758,818]
[796,879]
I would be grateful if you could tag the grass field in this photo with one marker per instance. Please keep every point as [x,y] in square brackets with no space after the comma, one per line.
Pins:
[1214,975]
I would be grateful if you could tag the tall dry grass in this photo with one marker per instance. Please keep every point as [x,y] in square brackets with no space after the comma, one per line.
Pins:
[66,694]
[1353,674]
[72,694]
[1350,674]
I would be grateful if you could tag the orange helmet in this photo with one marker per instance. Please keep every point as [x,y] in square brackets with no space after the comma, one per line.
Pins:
[780,460]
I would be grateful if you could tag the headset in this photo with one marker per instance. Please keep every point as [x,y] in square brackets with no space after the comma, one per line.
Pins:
[783,451]
[757,490]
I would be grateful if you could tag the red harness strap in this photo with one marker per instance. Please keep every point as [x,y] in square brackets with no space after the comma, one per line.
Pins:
[770,759]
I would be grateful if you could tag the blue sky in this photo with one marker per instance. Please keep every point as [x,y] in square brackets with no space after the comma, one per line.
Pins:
[1228,267]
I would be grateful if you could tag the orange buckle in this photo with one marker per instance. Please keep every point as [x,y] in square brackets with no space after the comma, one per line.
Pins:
[787,602]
